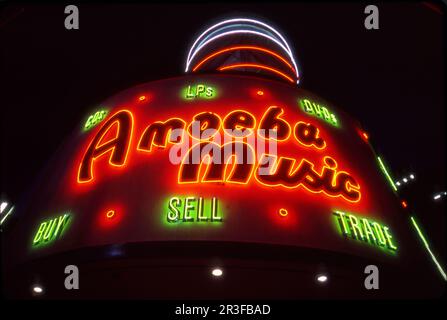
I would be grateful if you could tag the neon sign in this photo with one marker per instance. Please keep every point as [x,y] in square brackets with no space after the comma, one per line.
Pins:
[51,230]
[316,110]
[94,119]
[193,209]
[266,169]
[365,230]
[199,91]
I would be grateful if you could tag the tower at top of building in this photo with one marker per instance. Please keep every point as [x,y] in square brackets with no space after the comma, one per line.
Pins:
[243,46]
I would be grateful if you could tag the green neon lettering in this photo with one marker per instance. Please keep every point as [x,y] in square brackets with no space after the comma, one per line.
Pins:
[191,211]
[321,112]
[214,215]
[49,230]
[355,227]
[60,224]
[389,239]
[174,212]
[379,234]
[368,231]
[209,92]
[39,233]
[200,90]
[342,222]
[200,211]
[189,206]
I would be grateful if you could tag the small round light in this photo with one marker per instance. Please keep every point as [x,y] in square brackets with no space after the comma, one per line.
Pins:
[217,272]
[283,212]
[37,289]
[405,180]
[110,214]
[412,176]
[397,183]
[260,93]
[404,204]
[142,98]
[322,278]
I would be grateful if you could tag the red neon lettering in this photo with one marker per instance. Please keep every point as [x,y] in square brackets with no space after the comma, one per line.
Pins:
[117,147]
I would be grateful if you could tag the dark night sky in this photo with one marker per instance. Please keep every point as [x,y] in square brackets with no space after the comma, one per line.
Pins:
[391,80]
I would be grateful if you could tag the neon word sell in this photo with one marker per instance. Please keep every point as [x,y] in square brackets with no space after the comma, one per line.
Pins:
[193,209]
[362,229]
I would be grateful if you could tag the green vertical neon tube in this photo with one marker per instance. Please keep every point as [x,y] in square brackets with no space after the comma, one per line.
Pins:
[382,166]
[428,249]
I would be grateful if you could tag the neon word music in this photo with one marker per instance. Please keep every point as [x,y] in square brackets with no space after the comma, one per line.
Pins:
[193,209]
[201,150]
[362,229]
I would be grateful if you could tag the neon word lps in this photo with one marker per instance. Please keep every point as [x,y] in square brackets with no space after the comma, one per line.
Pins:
[266,169]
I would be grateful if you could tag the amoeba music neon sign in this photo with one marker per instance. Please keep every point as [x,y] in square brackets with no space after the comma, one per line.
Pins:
[199,136]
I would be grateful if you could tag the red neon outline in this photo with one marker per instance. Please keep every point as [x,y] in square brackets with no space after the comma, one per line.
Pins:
[201,127]
[276,163]
[168,136]
[110,216]
[277,117]
[110,149]
[250,130]
[283,212]
[254,65]
[316,136]
[206,161]
[245,48]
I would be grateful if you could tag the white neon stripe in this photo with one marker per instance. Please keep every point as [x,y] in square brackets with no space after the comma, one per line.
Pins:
[238,26]
[240,31]
[230,21]
[3,206]
[6,215]
[188,60]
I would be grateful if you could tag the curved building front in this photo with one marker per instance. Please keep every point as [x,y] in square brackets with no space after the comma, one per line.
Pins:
[228,182]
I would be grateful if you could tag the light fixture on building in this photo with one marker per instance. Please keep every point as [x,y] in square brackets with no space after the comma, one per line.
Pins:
[439,195]
[37,290]
[405,180]
[217,272]
[322,278]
